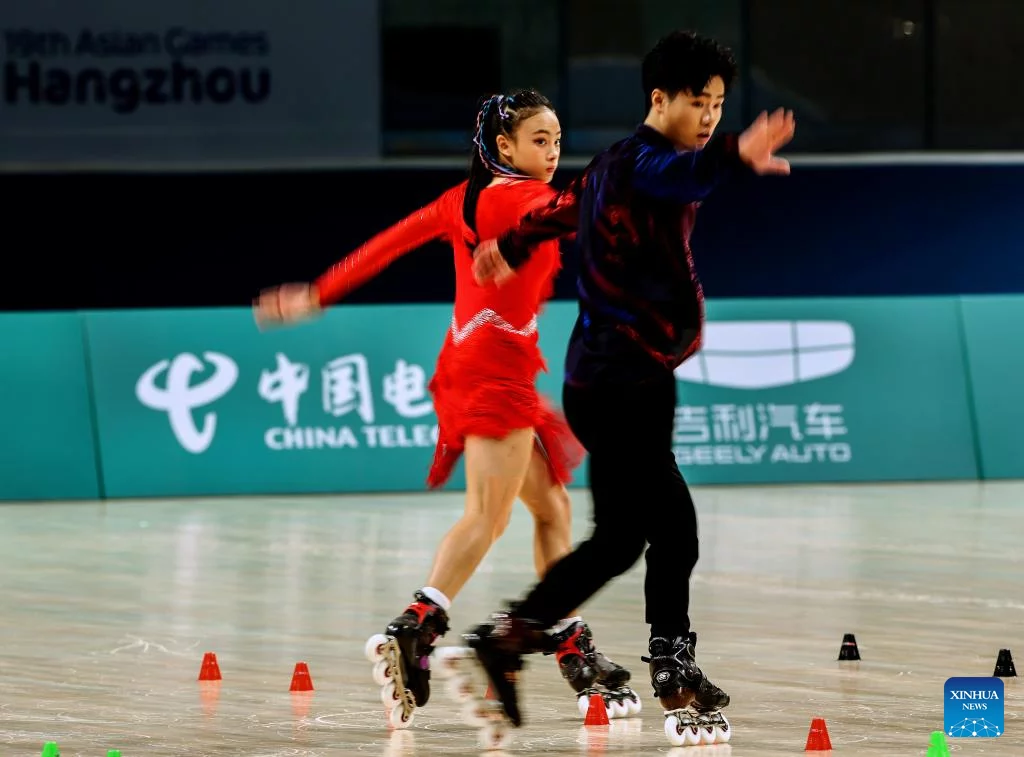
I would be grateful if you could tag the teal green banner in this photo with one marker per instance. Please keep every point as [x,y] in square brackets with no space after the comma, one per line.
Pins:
[200,402]
[47,450]
[788,391]
[995,365]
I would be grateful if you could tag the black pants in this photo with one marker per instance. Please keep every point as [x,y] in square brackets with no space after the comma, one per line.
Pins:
[640,499]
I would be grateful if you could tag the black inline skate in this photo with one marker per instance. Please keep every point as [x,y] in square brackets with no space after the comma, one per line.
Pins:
[401,657]
[691,701]
[586,669]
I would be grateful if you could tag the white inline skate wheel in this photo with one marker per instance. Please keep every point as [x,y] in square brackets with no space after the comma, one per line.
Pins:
[390,696]
[399,719]
[634,705]
[473,713]
[722,730]
[706,731]
[617,709]
[494,737]
[374,650]
[692,734]
[460,688]
[446,661]
[382,673]
[583,704]
[673,731]
[681,731]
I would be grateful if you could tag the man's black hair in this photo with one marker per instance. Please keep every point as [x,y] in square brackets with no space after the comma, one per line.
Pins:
[685,61]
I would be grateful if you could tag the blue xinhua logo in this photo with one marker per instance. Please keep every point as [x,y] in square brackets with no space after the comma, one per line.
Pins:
[974,707]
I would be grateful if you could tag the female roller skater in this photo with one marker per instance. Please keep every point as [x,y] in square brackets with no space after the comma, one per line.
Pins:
[485,397]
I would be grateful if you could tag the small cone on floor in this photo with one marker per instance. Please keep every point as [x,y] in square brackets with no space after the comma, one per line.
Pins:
[489,695]
[848,651]
[114,753]
[938,747]
[1004,665]
[817,737]
[597,712]
[301,680]
[210,671]
[50,749]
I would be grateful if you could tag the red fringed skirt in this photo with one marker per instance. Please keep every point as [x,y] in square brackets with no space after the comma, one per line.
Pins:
[486,386]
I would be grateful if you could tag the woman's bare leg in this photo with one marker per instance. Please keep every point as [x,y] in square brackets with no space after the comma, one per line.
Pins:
[548,502]
[495,469]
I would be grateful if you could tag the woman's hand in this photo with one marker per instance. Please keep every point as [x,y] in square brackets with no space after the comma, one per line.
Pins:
[288,303]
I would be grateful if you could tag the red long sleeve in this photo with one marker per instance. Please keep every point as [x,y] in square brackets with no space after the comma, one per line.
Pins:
[355,269]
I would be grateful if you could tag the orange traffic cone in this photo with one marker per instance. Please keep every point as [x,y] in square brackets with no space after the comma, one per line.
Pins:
[817,737]
[597,713]
[210,671]
[300,678]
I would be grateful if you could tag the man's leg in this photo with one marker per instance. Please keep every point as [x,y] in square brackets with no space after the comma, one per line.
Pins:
[673,552]
[608,424]
[671,557]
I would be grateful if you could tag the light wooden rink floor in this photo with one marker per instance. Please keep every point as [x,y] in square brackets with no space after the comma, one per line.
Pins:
[106,610]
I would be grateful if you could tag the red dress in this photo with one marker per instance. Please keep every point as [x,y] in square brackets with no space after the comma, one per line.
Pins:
[485,380]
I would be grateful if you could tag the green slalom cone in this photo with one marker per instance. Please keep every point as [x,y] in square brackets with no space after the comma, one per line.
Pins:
[114,753]
[937,747]
[50,749]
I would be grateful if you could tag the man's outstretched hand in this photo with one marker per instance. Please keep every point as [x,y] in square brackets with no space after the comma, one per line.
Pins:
[768,133]
[489,265]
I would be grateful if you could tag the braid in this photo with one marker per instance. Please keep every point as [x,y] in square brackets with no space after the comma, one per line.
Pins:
[496,106]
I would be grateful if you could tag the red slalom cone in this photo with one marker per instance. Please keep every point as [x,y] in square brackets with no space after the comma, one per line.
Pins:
[300,678]
[817,737]
[210,671]
[489,694]
[597,712]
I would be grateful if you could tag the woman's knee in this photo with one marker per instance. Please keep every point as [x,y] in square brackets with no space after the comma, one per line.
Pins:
[501,524]
[551,508]
[484,525]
